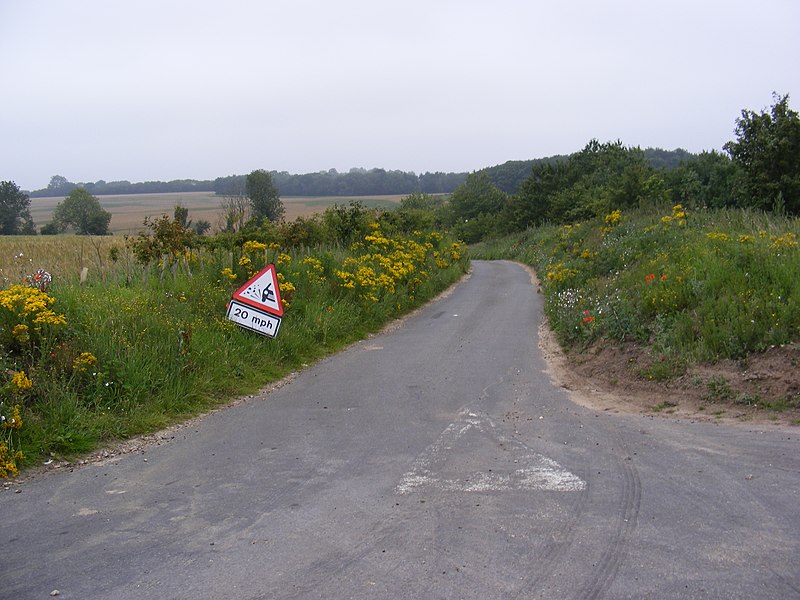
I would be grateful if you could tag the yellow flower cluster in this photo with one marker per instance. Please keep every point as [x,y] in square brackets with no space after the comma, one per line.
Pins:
[383,264]
[348,280]
[612,220]
[228,273]
[785,241]
[559,273]
[20,383]
[284,259]
[84,362]
[21,333]
[315,272]
[8,461]
[30,304]
[253,246]
[15,420]
[678,216]
[778,243]
[287,289]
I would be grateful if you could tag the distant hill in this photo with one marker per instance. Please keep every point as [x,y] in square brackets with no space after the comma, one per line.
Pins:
[356,182]
[510,175]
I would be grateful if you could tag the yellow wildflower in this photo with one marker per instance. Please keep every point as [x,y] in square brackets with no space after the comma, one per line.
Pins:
[84,362]
[20,383]
[613,218]
[21,333]
[253,246]
[15,420]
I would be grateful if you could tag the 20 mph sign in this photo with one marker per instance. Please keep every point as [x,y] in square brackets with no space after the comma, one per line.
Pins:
[257,304]
[253,319]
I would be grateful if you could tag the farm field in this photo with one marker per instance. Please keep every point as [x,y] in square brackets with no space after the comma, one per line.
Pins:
[129,211]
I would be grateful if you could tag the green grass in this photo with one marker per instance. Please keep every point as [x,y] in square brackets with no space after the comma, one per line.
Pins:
[146,346]
[696,287]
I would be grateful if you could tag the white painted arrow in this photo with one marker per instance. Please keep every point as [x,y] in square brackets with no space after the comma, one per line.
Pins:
[530,470]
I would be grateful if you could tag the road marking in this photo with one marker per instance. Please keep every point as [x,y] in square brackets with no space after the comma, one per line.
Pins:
[519,467]
[86,512]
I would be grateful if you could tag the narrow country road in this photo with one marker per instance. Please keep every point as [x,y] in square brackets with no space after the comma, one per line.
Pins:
[433,461]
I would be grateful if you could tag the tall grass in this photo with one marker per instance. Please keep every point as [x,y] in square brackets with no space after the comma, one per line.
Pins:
[132,347]
[696,286]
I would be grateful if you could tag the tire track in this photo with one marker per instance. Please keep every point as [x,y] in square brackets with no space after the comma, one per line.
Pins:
[629,503]
[559,540]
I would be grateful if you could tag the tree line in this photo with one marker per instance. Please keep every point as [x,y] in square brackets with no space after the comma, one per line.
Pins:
[760,169]
[356,182]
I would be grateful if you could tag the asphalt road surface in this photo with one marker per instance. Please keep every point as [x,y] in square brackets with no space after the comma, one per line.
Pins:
[434,461]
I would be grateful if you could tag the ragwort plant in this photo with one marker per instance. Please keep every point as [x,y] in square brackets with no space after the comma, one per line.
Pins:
[134,352]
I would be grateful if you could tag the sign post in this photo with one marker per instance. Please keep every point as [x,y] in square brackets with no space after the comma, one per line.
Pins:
[257,304]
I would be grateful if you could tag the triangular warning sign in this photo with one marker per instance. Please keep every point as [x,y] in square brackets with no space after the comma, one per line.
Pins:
[262,292]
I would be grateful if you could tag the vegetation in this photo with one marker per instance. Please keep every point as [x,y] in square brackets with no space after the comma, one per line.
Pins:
[698,262]
[695,286]
[81,211]
[767,150]
[762,172]
[356,182]
[15,213]
[144,341]
[265,201]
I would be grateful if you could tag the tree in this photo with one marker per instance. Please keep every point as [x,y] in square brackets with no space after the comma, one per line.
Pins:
[201,227]
[15,213]
[767,150]
[264,198]
[82,211]
[59,186]
[181,215]
[476,196]
[167,237]
[705,180]
[475,207]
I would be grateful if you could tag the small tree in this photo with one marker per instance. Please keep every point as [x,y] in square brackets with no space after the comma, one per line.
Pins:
[476,196]
[201,227]
[82,211]
[234,205]
[15,213]
[264,197]
[167,236]
[181,215]
[767,150]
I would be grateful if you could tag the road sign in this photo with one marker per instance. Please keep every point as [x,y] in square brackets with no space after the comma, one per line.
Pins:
[262,292]
[252,318]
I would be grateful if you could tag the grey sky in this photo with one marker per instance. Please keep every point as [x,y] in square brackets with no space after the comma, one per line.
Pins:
[164,89]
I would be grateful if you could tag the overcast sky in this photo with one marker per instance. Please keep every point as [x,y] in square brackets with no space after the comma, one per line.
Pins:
[160,90]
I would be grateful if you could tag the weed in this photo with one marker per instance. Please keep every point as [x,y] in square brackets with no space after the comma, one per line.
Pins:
[718,390]
[714,285]
[666,405]
[142,344]
[749,400]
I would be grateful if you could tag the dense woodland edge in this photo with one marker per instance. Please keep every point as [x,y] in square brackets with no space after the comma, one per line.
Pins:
[356,182]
